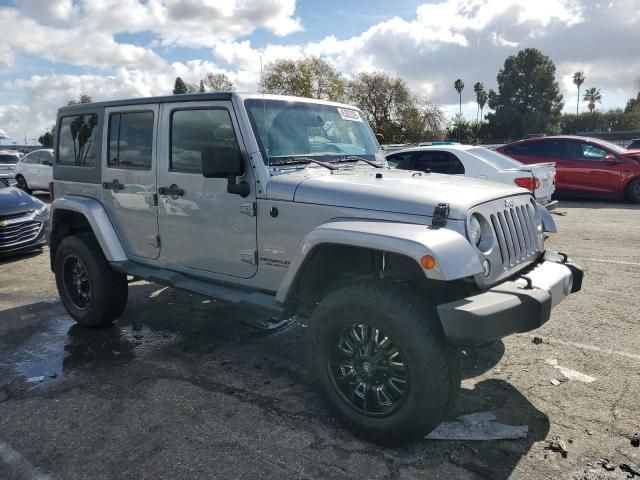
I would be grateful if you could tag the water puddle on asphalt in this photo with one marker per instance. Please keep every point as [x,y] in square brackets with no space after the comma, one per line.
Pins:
[59,346]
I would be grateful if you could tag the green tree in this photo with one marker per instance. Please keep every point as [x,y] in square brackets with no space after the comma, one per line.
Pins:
[201,89]
[392,110]
[180,87]
[482,99]
[218,82]
[478,88]
[578,80]
[593,96]
[459,86]
[84,98]
[528,98]
[46,140]
[311,77]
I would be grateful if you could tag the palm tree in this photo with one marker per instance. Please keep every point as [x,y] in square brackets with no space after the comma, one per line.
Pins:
[459,86]
[578,80]
[478,88]
[593,96]
[483,96]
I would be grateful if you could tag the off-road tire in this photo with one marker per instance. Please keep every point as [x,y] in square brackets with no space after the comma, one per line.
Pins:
[633,190]
[433,368]
[22,184]
[108,289]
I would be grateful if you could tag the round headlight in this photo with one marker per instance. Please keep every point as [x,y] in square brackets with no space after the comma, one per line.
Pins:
[474,230]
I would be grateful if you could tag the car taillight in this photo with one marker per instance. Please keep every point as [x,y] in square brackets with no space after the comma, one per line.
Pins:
[530,183]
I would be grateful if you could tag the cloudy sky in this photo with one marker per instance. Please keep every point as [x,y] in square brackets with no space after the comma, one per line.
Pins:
[54,50]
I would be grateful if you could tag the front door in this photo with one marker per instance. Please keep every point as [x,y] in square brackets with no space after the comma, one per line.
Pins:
[202,226]
[129,177]
[591,172]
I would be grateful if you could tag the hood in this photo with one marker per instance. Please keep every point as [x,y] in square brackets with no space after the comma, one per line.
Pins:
[398,191]
[13,200]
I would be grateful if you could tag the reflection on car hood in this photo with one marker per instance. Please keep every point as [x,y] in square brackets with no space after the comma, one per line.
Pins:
[13,200]
[397,191]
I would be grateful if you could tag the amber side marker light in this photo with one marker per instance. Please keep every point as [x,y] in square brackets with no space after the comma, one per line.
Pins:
[428,262]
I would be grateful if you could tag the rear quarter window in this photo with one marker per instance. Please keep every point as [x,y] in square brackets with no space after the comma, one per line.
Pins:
[77,140]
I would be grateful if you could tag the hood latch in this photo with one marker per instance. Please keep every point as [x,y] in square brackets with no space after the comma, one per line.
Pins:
[440,214]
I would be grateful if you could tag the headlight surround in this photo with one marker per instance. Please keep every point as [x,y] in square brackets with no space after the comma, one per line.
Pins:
[42,214]
[474,230]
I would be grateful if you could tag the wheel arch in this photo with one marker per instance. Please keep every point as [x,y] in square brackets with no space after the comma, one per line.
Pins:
[73,214]
[341,251]
[627,185]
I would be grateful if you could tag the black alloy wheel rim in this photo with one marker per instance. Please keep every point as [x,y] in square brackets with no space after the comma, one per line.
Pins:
[76,282]
[368,370]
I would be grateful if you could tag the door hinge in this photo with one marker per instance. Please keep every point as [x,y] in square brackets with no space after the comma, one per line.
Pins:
[249,256]
[154,240]
[248,208]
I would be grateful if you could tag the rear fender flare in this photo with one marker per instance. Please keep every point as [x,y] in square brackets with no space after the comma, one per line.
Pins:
[98,220]
[454,255]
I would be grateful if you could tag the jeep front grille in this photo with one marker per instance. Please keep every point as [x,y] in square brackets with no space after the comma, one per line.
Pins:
[517,234]
[18,233]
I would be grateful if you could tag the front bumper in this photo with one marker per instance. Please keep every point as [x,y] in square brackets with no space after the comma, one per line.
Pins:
[520,304]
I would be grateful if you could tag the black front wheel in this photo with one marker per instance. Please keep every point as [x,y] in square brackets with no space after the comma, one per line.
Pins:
[22,184]
[633,190]
[381,362]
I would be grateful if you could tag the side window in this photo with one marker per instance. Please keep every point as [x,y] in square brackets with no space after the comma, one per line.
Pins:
[592,153]
[76,142]
[130,140]
[400,160]
[423,161]
[440,162]
[32,158]
[193,132]
[45,158]
[519,149]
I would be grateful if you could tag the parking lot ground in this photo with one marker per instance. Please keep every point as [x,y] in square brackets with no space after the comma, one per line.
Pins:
[180,388]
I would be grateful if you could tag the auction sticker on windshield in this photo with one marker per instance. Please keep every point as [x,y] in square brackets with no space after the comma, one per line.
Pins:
[348,114]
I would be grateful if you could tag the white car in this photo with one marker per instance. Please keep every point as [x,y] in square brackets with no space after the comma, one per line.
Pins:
[479,162]
[34,171]
[8,162]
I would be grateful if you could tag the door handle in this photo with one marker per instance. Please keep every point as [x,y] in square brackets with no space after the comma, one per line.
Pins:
[172,191]
[115,185]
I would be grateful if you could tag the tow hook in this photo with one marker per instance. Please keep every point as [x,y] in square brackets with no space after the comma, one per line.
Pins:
[529,285]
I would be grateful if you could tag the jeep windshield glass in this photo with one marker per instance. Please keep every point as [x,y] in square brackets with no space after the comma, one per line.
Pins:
[328,133]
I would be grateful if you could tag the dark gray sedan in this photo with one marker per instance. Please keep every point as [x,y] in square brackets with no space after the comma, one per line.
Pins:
[22,220]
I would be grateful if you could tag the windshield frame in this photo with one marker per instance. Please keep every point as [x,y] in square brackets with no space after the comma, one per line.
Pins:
[327,157]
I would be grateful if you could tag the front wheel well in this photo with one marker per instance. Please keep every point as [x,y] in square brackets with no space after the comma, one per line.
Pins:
[63,224]
[330,266]
[627,188]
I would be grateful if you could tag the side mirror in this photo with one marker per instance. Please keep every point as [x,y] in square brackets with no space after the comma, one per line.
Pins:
[221,162]
[610,159]
[225,162]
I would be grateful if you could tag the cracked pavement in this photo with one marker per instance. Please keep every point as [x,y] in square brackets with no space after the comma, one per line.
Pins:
[181,388]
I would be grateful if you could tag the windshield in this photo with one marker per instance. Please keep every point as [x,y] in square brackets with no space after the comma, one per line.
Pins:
[498,160]
[289,130]
[8,158]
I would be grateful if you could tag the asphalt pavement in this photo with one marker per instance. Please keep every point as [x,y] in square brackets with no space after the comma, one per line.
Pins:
[181,388]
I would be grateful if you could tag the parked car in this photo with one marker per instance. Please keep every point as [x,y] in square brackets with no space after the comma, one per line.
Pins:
[478,162]
[286,205]
[35,170]
[584,165]
[634,144]
[22,220]
[8,162]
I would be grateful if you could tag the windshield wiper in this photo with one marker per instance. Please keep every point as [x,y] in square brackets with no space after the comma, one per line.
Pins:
[355,158]
[303,160]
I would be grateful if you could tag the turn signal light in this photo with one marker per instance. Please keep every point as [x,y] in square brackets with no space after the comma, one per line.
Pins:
[428,262]
[530,183]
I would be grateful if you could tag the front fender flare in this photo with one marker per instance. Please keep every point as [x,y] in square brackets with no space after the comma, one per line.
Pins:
[455,257]
[98,220]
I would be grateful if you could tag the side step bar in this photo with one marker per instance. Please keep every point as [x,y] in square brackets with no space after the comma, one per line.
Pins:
[258,301]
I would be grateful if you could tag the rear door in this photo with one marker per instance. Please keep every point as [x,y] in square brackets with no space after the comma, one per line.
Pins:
[203,227]
[129,177]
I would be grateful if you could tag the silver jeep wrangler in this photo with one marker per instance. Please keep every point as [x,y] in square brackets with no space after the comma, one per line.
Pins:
[287,205]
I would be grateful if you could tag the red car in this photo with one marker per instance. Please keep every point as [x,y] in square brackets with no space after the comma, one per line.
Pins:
[584,165]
